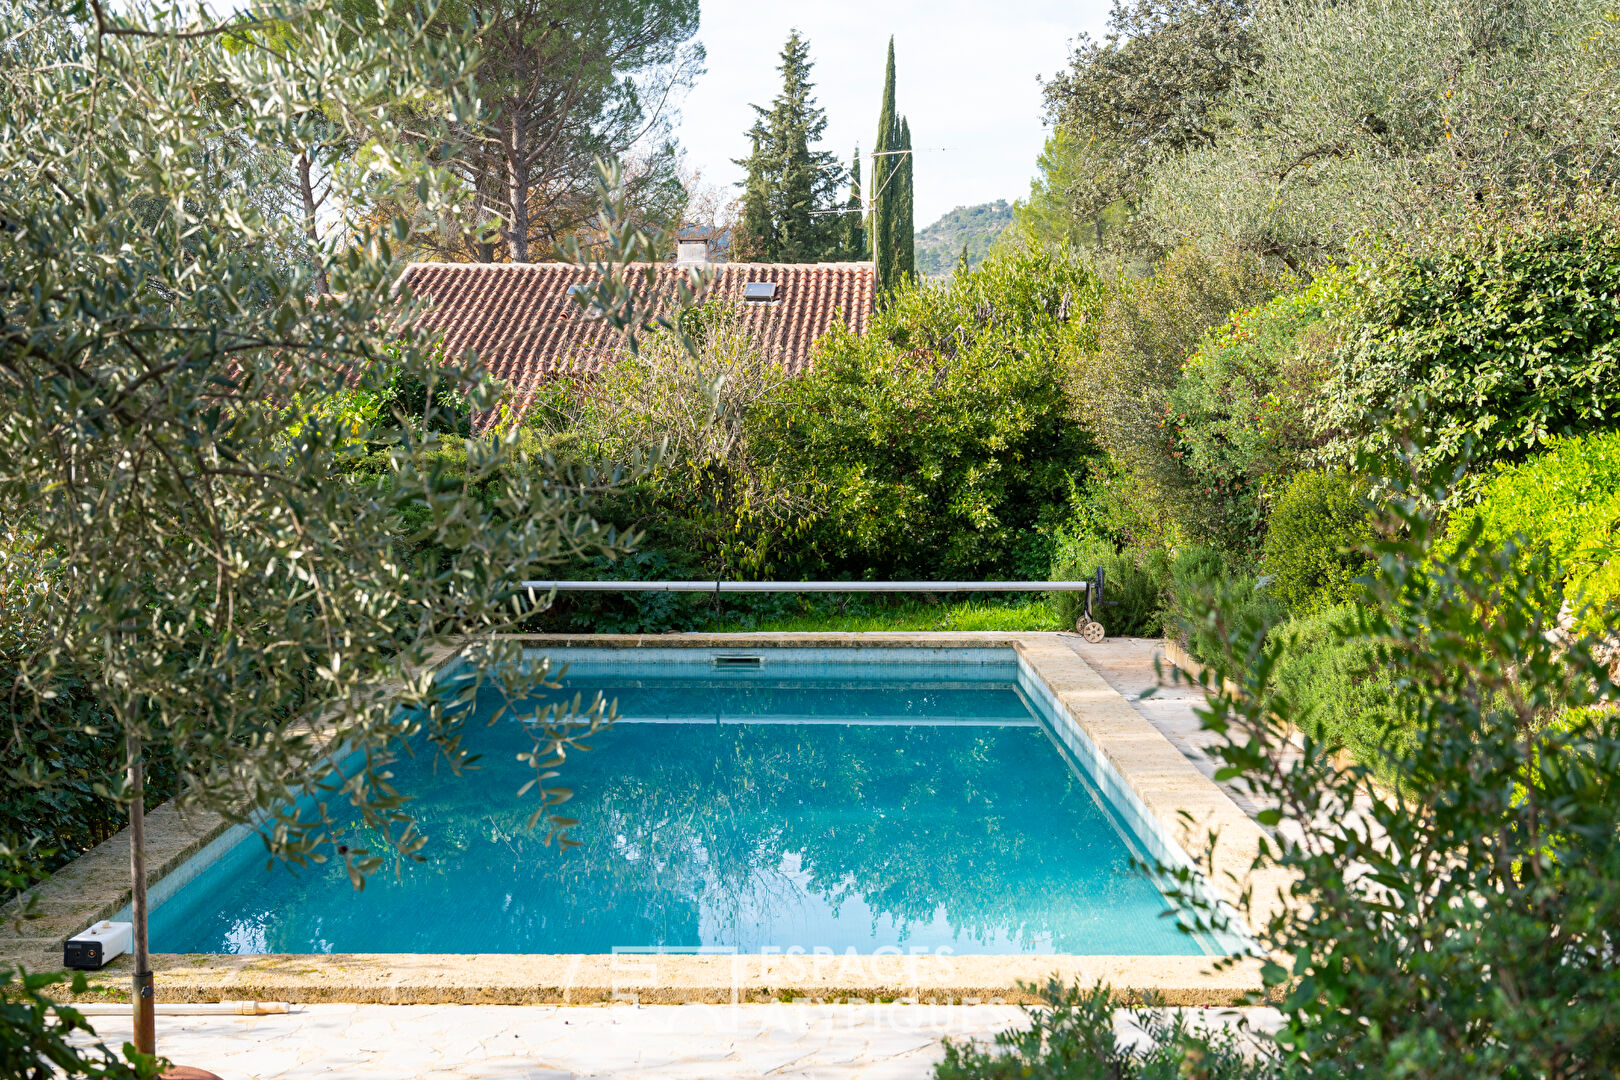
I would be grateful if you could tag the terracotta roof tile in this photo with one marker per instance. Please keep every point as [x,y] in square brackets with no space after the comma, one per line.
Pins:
[523,326]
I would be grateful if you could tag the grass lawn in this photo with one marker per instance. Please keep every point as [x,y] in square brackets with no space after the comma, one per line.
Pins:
[861,614]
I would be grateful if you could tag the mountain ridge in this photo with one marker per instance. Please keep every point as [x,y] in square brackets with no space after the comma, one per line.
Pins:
[939,246]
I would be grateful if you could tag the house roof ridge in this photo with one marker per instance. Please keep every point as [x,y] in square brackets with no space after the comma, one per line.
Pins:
[447,264]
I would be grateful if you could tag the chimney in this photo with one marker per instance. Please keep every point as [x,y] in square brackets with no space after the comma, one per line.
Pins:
[692,252]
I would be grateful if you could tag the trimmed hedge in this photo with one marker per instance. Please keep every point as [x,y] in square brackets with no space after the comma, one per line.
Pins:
[1313,543]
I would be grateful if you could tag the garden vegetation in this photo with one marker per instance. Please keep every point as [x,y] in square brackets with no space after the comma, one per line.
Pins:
[1307,336]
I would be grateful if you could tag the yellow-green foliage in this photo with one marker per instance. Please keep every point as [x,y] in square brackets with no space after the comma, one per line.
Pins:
[1567,499]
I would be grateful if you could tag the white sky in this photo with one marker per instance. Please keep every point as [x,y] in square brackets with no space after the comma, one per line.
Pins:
[965,78]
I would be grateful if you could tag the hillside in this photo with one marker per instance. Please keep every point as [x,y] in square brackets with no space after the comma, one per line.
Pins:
[940,244]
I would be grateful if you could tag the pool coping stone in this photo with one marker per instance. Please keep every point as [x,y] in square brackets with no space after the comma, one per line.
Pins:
[1186,804]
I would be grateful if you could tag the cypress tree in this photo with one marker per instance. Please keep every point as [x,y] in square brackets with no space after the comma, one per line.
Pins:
[789,183]
[893,245]
[883,163]
[905,247]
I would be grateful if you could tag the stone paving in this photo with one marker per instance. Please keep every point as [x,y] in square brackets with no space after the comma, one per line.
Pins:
[486,1042]
[1134,666]
[662,1042]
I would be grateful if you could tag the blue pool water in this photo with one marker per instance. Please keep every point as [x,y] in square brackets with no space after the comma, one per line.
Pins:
[920,806]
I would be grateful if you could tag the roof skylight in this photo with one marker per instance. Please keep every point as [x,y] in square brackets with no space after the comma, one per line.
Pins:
[587,310]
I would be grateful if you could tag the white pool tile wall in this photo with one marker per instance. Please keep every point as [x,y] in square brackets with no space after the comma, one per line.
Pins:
[1140,827]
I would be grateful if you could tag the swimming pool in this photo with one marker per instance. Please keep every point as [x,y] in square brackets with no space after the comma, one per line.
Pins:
[928,801]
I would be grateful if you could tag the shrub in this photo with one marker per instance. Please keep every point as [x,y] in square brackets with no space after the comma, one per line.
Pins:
[1506,344]
[1458,923]
[61,755]
[1200,577]
[630,612]
[1072,1037]
[1565,502]
[932,443]
[1236,420]
[1147,329]
[39,1037]
[714,495]
[1342,692]
[1313,550]
[1465,927]
[1133,586]
[61,760]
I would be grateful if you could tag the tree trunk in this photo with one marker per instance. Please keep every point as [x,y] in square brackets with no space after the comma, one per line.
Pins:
[141,984]
[517,196]
[311,227]
[480,240]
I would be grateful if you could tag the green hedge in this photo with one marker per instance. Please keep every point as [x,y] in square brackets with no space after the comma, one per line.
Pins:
[1200,576]
[934,441]
[1501,347]
[1343,695]
[1314,539]
[1133,586]
[1237,417]
[59,760]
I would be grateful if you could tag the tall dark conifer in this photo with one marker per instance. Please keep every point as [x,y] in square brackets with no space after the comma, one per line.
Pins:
[892,243]
[883,162]
[790,184]
[758,235]
[905,246]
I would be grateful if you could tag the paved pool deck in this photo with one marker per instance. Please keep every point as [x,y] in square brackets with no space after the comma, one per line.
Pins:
[1167,698]
[663,1042]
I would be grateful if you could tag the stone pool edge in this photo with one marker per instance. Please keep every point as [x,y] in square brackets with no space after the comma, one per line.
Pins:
[1180,798]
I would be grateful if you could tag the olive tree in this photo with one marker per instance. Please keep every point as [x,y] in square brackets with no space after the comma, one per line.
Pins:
[1156,85]
[210,572]
[1408,118]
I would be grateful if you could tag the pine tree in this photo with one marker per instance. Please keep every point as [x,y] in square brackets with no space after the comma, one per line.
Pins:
[790,185]
[854,227]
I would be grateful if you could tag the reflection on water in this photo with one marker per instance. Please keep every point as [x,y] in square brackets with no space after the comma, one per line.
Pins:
[945,822]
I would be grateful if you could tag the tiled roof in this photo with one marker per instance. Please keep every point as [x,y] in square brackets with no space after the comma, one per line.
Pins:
[524,327]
